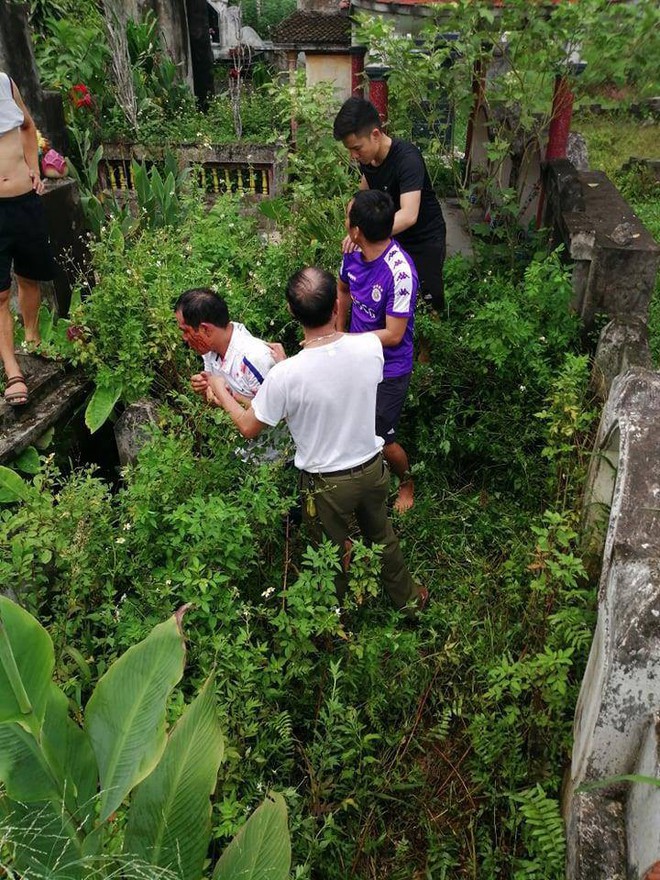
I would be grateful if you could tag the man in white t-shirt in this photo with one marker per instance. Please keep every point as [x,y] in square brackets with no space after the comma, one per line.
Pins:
[227,348]
[327,394]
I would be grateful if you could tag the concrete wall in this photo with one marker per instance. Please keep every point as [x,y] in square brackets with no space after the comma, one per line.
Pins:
[330,68]
[620,694]
[408,18]
[613,832]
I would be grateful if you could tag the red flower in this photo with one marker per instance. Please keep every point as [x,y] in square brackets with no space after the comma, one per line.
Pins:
[74,332]
[234,73]
[81,96]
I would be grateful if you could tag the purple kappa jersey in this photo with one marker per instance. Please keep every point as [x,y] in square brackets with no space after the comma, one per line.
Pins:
[386,286]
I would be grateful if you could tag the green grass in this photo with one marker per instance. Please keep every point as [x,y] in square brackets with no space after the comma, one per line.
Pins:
[612,140]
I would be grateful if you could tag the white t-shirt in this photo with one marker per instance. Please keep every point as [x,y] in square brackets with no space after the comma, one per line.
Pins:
[245,364]
[327,394]
[11,115]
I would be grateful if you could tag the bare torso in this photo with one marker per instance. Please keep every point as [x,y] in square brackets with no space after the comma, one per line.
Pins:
[15,177]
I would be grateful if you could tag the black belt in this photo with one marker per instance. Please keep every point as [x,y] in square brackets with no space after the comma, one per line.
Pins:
[348,471]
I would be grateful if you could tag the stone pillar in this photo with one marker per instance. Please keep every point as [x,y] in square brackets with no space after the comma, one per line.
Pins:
[378,88]
[16,57]
[357,71]
[200,50]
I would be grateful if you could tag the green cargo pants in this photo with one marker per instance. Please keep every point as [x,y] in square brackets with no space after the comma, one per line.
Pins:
[361,494]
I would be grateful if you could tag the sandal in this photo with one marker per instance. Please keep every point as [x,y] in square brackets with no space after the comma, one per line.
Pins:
[16,398]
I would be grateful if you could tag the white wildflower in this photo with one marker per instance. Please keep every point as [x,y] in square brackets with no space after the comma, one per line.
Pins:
[120,540]
[267,593]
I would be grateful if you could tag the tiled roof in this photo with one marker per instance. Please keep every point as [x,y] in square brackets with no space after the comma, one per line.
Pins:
[314,28]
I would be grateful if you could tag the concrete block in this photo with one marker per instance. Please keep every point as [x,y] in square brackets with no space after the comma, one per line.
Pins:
[643,806]
[68,238]
[623,343]
[596,842]
[132,429]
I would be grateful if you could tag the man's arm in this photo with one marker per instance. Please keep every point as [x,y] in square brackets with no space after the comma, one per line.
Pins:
[408,213]
[343,305]
[245,420]
[393,332]
[29,140]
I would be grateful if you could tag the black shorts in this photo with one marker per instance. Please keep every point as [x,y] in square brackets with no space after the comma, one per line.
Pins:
[389,403]
[429,261]
[24,240]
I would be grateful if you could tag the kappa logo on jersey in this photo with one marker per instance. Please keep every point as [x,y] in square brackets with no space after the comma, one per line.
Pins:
[363,308]
[398,263]
[403,276]
[351,277]
[376,293]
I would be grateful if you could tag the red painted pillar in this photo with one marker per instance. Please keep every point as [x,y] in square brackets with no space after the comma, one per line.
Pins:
[560,124]
[357,71]
[378,88]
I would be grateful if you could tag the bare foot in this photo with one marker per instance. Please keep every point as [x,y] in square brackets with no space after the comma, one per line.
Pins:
[405,498]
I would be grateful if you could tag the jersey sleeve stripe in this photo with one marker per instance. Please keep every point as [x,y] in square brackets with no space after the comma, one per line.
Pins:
[255,372]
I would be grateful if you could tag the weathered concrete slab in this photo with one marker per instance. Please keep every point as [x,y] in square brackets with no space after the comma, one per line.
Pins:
[623,343]
[459,240]
[598,824]
[53,393]
[620,691]
[643,807]
[617,256]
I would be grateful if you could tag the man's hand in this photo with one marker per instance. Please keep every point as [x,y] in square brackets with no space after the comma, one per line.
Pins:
[200,382]
[37,183]
[217,392]
[348,246]
[277,350]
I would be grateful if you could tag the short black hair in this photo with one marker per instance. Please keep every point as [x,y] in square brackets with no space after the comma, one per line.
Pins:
[311,294]
[372,211]
[200,305]
[356,116]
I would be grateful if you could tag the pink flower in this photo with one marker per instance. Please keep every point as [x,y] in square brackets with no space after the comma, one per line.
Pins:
[53,165]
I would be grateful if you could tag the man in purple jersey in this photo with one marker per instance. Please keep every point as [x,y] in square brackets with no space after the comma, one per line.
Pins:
[378,285]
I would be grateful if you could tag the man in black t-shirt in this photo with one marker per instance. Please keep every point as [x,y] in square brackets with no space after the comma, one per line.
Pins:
[397,167]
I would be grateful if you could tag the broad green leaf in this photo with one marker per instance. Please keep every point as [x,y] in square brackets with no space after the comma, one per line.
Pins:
[262,848]
[169,823]
[14,487]
[45,843]
[45,324]
[125,716]
[26,666]
[67,748]
[101,404]
[28,461]
[23,768]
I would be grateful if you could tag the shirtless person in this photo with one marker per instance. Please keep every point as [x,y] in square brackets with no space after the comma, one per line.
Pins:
[23,231]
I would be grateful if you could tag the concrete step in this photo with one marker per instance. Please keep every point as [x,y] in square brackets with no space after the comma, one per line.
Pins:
[54,391]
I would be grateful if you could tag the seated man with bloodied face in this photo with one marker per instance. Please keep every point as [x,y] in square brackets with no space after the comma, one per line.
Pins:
[229,350]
